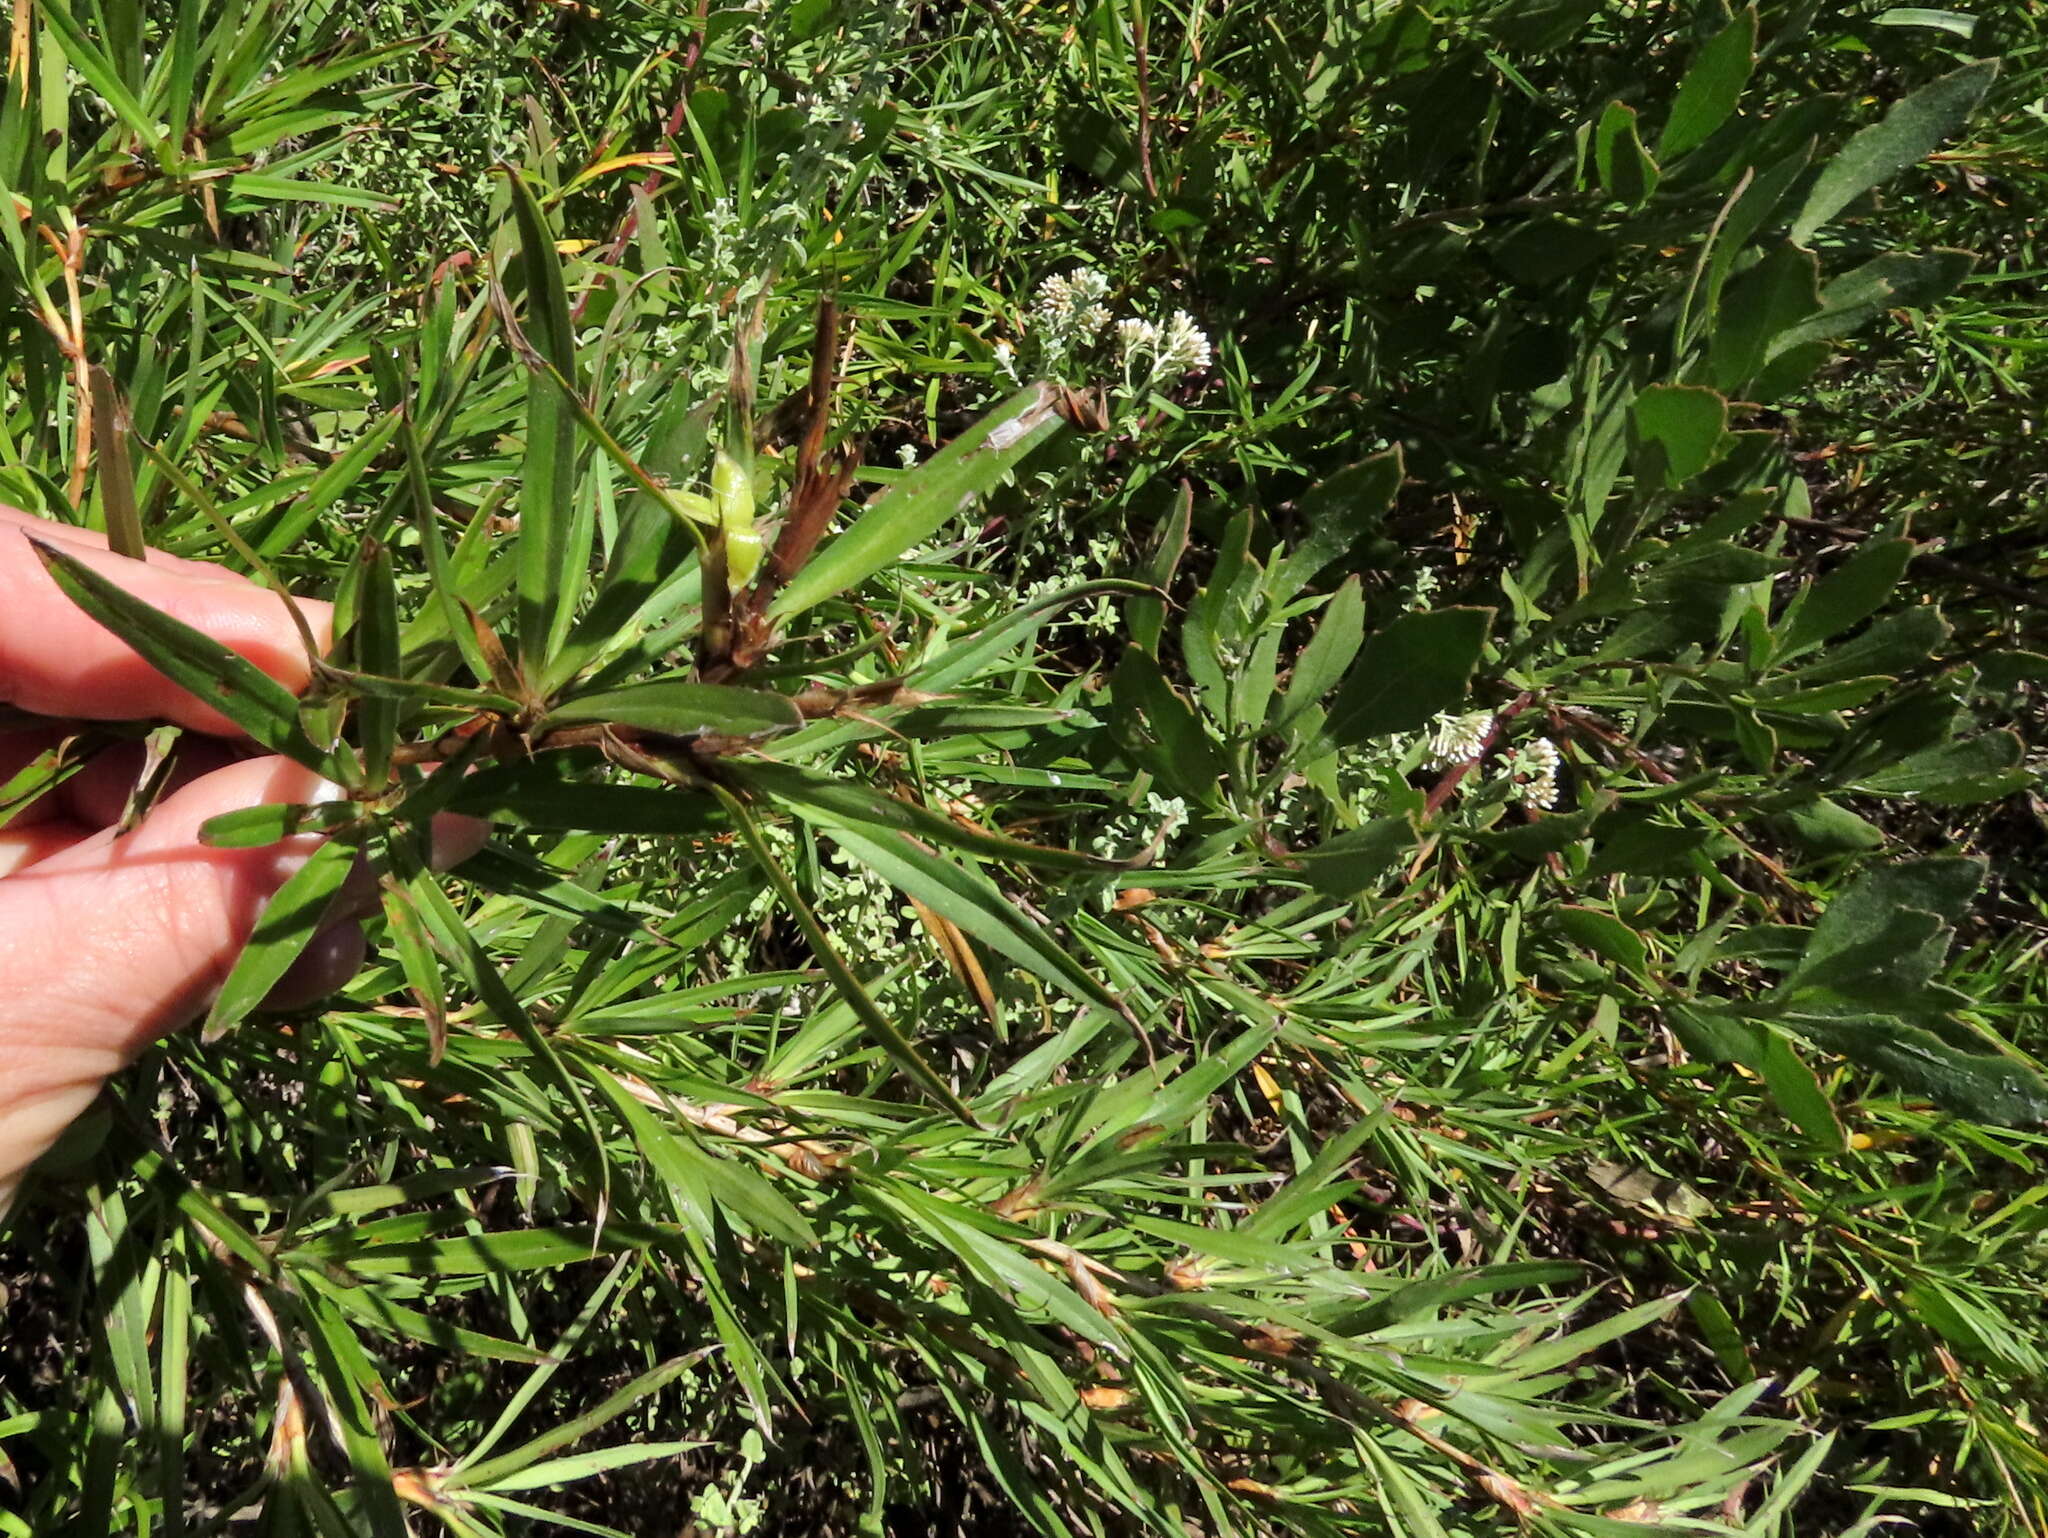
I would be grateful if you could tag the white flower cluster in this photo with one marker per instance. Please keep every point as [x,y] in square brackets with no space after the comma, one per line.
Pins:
[1071,312]
[1458,739]
[1530,767]
[1171,347]
[1070,308]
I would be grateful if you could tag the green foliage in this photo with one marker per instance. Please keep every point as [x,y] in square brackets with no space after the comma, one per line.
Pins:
[1373,926]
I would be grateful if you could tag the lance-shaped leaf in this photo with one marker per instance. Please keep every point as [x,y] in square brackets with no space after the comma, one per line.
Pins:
[967,898]
[900,1048]
[292,918]
[534,796]
[191,659]
[1910,132]
[679,707]
[548,586]
[920,504]
[845,801]
[377,651]
[254,827]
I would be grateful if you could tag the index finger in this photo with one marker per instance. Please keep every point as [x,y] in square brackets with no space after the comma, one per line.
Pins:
[56,660]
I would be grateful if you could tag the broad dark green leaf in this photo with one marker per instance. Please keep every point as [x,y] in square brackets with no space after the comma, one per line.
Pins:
[1758,307]
[1338,511]
[1891,928]
[1352,862]
[1846,596]
[1898,280]
[1711,87]
[1686,424]
[1909,133]
[1981,768]
[1340,631]
[1603,934]
[1625,167]
[2000,1087]
[1416,668]
[1160,729]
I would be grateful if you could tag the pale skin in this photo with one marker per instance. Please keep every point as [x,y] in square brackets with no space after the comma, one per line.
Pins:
[110,941]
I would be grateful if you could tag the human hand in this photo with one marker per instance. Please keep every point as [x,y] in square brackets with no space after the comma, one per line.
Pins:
[107,940]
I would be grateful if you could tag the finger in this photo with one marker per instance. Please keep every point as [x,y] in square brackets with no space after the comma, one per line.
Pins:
[98,794]
[55,660]
[113,942]
[21,847]
[74,538]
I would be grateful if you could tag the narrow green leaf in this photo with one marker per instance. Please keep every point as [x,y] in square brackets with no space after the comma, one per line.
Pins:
[443,590]
[680,707]
[111,430]
[561,1471]
[255,827]
[232,685]
[344,476]
[900,1049]
[290,920]
[548,587]
[922,502]
[845,801]
[377,652]
[100,73]
[609,1408]
[535,796]
[967,898]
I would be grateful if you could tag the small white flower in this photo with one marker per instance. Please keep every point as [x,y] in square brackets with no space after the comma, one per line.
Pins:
[1006,358]
[1532,768]
[1458,739]
[1183,345]
[1135,338]
[906,455]
[1070,307]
